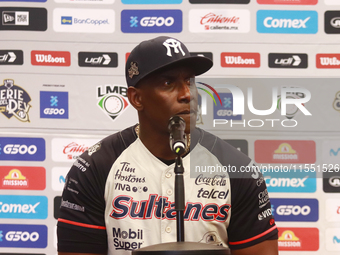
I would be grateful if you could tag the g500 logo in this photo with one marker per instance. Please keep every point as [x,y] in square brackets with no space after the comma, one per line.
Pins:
[238,105]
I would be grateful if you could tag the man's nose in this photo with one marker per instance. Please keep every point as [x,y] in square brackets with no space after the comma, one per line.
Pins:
[184,93]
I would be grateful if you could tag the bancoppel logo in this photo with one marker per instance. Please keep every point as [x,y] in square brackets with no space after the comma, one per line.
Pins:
[332,239]
[287,60]
[298,239]
[112,100]
[241,145]
[299,181]
[14,101]
[98,59]
[332,22]
[23,207]
[22,149]
[151,21]
[287,22]
[152,1]
[292,2]
[11,57]
[225,111]
[50,58]
[59,177]
[238,59]
[328,61]
[23,236]
[22,178]
[53,105]
[68,150]
[333,210]
[219,21]
[219,1]
[127,240]
[285,151]
[84,20]
[292,110]
[293,209]
[16,18]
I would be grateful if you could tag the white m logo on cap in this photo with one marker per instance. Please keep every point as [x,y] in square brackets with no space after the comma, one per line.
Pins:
[176,45]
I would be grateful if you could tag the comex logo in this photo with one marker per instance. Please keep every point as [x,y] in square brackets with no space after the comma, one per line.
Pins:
[18,208]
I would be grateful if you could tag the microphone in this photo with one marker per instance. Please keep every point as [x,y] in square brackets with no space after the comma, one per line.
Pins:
[176,127]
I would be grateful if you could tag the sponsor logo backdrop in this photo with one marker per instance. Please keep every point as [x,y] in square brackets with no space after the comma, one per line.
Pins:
[62,89]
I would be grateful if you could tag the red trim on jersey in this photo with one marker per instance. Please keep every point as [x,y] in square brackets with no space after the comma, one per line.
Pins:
[81,224]
[254,237]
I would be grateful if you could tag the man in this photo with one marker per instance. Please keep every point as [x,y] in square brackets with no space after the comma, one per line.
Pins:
[119,196]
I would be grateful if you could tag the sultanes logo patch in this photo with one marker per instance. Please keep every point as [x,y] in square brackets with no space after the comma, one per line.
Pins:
[112,99]
[14,101]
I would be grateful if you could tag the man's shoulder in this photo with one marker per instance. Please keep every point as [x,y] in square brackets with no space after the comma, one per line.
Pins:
[224,151]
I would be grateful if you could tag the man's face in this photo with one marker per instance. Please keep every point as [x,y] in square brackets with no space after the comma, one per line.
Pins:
[171,91]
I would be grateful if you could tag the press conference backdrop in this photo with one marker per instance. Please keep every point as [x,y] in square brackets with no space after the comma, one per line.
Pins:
[63,88]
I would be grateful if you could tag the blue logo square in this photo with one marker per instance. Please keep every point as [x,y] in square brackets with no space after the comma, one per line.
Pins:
[53,105]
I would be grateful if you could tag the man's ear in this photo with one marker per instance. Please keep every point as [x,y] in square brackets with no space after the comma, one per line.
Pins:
[135,98]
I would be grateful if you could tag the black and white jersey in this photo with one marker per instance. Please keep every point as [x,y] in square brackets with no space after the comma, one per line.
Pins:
[119,197]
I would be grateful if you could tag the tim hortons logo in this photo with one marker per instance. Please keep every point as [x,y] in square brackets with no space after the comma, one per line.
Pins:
[51,58]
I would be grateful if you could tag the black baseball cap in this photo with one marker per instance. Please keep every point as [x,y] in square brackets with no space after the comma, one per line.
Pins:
[152,55]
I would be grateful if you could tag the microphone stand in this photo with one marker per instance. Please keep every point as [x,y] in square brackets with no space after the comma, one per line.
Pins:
[180,247]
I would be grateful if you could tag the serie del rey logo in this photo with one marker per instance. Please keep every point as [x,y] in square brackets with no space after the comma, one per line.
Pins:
[14,101]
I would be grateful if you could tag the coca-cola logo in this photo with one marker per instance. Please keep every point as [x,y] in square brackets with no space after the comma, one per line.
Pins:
[212,18]
[216,180]
[51,58]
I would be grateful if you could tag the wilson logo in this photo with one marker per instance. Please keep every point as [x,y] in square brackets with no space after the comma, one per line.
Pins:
[51,58]
[235,59]
[328,60]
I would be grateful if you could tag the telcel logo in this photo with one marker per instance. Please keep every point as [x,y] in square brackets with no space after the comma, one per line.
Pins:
[287,22]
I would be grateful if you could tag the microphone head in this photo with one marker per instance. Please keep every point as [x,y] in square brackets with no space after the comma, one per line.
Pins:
[176,128]
[176,120]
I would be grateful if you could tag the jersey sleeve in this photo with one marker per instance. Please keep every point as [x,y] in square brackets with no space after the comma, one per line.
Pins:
[82,209]
[81,224]
[251,219]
